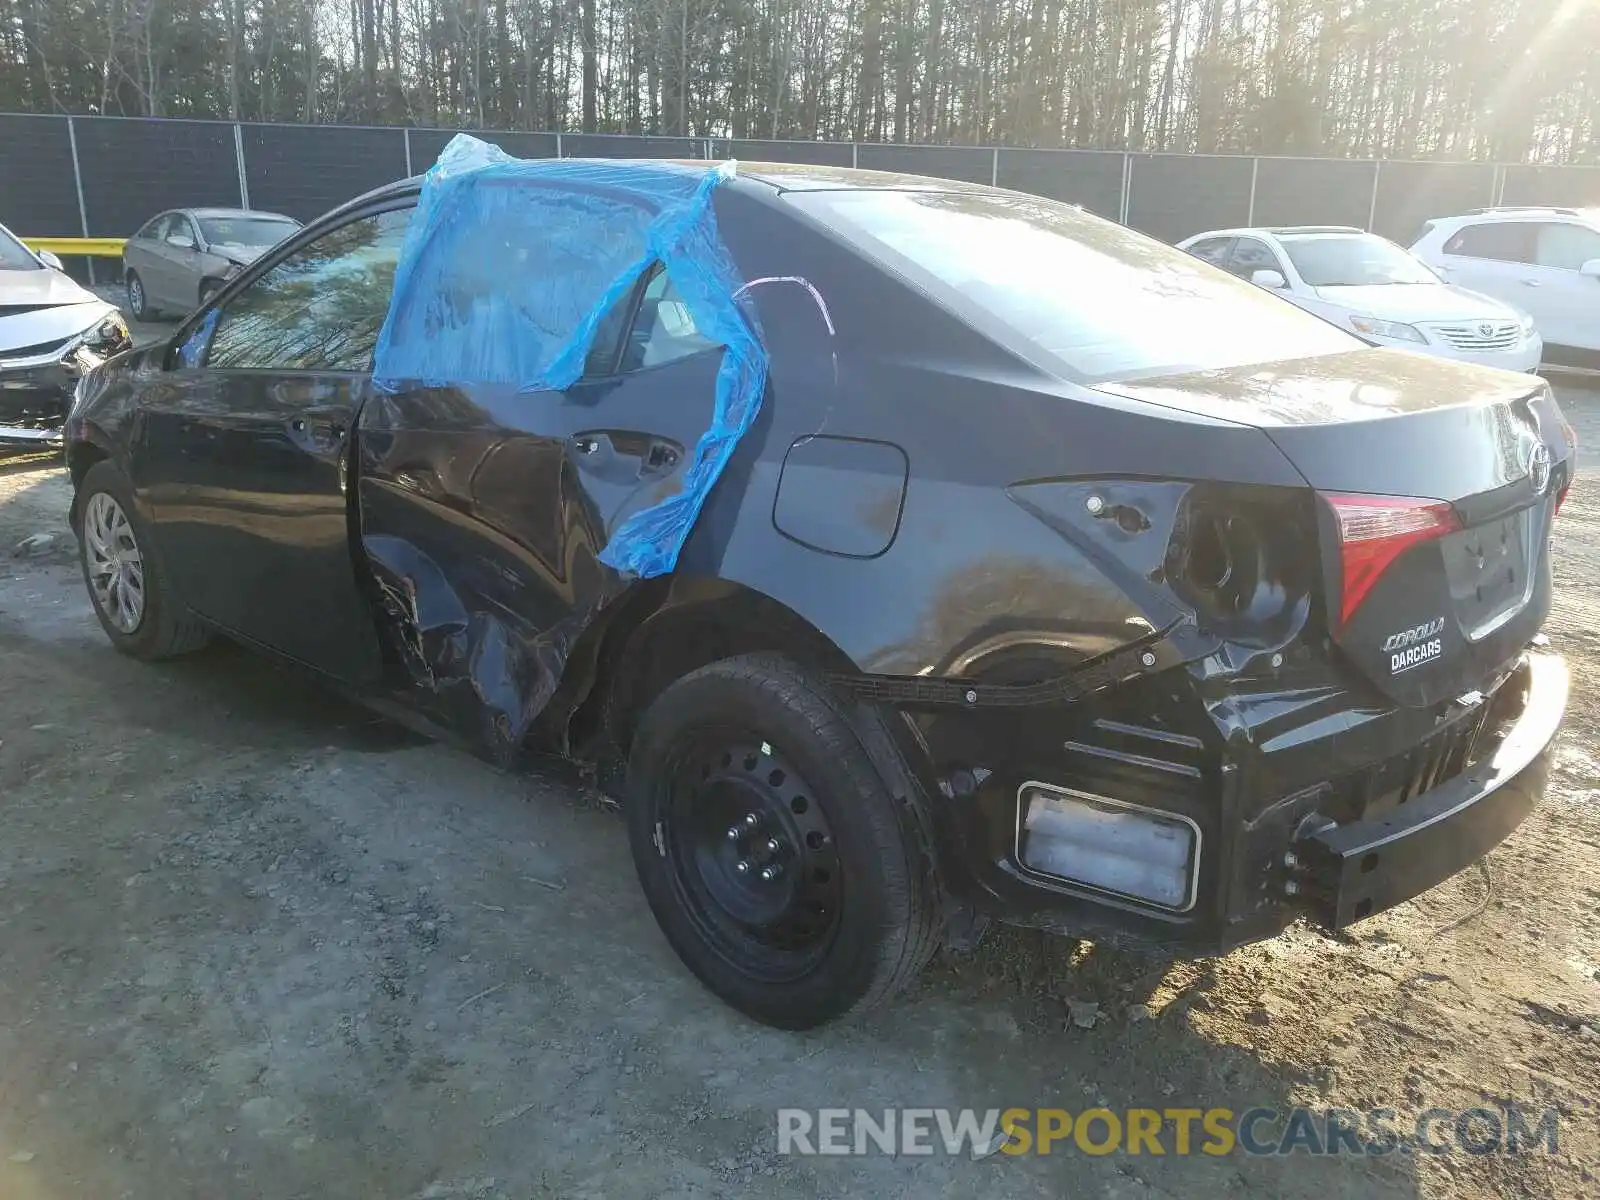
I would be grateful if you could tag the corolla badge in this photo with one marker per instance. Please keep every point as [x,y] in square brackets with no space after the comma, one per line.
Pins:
[1415,646]
[1539,468]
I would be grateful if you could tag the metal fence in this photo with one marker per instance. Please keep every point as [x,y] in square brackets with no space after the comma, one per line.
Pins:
[104,176]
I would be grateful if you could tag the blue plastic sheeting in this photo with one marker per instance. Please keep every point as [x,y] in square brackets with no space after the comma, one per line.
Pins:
[508,267]
[194,346]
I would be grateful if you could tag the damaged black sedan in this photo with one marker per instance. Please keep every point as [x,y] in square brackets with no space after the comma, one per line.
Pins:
[939,554]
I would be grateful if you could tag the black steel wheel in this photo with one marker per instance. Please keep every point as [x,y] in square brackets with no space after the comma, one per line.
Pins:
[786,870]
[755,857]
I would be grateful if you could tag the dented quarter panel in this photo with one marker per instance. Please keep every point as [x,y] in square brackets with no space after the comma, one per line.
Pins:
[483,512]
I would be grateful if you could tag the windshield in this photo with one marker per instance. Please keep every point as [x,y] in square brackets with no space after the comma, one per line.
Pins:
[1100,300]
[14,256]
[245,231]
[1354,261]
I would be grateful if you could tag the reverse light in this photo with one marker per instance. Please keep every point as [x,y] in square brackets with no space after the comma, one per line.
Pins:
[1376,530]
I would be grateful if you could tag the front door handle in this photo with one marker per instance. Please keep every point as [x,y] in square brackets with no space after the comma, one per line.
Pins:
[1530,283]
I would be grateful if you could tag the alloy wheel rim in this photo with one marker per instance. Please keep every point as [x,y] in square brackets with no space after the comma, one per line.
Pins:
[136,294]
[115,563]
[754,856]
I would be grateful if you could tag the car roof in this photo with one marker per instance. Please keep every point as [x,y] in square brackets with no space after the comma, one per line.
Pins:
[234,212]
[1280,231]
[1522,213]
[783,177]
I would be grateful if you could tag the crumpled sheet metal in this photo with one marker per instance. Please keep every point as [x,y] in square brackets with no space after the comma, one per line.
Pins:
[509,266]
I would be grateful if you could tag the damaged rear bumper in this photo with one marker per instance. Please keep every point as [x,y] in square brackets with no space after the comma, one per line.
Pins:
[1351,871]
[1420,794]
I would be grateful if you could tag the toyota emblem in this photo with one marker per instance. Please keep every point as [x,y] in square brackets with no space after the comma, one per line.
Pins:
[1539,468]
[1486,330]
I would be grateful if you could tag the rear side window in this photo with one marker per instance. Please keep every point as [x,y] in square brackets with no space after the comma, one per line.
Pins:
[1251,255]
[1566,246]
[321,308]
[1502,241]
[661,330]
[1212,250]
[1086,298]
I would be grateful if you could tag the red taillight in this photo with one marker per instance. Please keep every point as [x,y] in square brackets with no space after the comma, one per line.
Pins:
[1376,530]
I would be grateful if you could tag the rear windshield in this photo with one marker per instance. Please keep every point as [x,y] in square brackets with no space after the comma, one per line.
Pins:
[14,256]
[245,231]
[1099,300]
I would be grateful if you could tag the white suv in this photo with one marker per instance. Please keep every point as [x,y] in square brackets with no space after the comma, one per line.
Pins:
[1385,294]
[1543,260]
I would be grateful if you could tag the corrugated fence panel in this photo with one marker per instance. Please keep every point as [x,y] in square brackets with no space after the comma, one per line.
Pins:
[426,144]
[940,162]
[821,154]
[1568,187]
[1313,191]
[1171,196]
[42,199]
[133,168]
[1092,178]
[305,170]
[619,145]
[1411,192]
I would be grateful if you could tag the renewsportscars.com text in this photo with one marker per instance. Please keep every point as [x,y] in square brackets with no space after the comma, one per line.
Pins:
[1214,1132]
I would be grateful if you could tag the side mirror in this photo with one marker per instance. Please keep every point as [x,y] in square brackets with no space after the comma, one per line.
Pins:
[182,241]
[1268,279]
[1591,268]
[54,263]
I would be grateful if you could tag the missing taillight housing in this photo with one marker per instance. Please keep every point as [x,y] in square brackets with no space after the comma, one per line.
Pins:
[1376,530]
[1237,556]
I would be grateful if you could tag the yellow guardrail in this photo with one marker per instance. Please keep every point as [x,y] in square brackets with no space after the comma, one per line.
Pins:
[94,247]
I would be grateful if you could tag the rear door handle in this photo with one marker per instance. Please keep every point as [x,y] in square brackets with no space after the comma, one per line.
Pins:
[320,433]
[663,456]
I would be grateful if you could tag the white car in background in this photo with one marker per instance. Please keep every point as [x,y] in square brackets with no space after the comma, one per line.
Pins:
[1380,291]
[1543,260]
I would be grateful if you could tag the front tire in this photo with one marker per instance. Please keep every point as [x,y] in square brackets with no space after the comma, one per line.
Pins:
[137,608]
[777,858]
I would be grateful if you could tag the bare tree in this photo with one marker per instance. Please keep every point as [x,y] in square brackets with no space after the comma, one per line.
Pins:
[1508,79]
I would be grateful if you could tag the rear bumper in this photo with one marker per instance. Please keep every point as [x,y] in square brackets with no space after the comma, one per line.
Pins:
[1310,800]
[1352,871]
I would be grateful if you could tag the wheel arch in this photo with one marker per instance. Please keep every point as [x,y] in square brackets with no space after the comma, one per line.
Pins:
[665,628]
[82,454]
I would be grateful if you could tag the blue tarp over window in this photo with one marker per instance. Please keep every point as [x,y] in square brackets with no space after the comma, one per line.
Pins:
[509,266]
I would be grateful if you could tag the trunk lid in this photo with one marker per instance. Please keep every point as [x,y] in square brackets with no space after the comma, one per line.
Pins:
[1461,599]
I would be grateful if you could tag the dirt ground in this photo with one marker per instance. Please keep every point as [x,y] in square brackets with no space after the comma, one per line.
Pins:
[254,942]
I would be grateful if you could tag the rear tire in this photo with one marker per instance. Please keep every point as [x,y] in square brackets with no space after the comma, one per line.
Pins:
[138,303]
[751,765]
[136,606]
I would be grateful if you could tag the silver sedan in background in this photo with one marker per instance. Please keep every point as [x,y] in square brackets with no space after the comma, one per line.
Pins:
[179,258]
